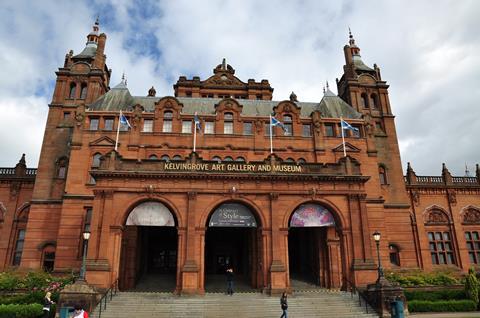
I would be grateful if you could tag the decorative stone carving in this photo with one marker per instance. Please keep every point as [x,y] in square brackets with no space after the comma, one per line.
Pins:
[471,216]
[258,126]
[80,115]
[416,198]
[316,118]
[437,217]
[274,196]
[452,197]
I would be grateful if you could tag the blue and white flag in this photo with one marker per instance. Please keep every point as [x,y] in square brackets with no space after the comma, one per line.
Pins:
[124,120]
[275,122]
[347,126]
[198,124]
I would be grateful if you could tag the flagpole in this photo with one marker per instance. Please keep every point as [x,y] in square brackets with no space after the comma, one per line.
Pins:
[271,141]
[343,137]
[194,136]
[118,131]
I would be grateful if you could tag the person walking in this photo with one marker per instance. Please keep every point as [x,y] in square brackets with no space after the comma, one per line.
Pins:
[79,312]
[47,305]
[230,277]
[284,305]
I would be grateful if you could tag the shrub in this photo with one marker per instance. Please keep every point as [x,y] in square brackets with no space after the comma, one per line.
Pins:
[8,281]
[420,278]
[23,311]
[433,295]
[471,286]
[441,306]
[30,298]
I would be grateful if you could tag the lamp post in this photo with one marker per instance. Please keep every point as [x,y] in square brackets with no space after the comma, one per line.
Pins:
[86,236]
[376,237]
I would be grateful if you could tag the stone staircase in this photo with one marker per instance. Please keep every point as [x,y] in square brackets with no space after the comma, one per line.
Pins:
[319,303]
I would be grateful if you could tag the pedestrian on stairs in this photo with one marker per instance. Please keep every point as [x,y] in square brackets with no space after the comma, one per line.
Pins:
[47,305]
[79,312]
[284,305]
[230,277]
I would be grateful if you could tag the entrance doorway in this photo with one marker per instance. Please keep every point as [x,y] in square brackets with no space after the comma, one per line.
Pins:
[313,248]
[232,240]
[149,249]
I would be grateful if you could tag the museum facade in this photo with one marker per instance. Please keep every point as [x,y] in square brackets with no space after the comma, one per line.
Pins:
[179,188]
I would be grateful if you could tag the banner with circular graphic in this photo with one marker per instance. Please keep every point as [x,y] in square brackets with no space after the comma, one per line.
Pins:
[232,215]
[311,215]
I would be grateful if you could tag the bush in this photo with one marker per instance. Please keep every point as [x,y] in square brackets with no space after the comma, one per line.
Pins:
[21,311]
[8,281]
[30,298]
[33,281]
[433,295]
[420,278]
[471,285]
[441,306]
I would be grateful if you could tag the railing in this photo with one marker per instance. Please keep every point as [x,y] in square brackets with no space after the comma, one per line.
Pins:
[112,291]
[31,171]
[362,300]
[7,171]
[429,179]
[464,180]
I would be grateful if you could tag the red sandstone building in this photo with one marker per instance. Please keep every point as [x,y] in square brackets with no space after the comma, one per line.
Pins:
[157,209]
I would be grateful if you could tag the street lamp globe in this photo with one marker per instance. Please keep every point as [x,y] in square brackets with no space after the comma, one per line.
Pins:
[86,235]
[376,236]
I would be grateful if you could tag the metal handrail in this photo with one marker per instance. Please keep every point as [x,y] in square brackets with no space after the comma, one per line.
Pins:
[112,291]
[355,291]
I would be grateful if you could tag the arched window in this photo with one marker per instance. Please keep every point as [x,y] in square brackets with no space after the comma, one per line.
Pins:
[83,91]
[240,159]
[177,158]
[382,173]
[301,161]
[288,124]
[290,160]
[374,101]
[96,160]
[167,121]
[62,168]
[217,159]
[48,258]
[228,158]
[19,232]
[364,100]
[394,254]
[228,123]
[73,90]
[153,157]
[165,158]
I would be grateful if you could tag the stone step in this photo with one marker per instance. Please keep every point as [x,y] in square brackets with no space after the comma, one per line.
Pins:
[321,303]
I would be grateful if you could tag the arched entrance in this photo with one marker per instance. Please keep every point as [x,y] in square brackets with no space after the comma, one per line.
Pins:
[233,239]
[313,248]
[149,249]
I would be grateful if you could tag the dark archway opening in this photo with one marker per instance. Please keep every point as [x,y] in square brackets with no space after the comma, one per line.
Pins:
[149,253]
[232,240]
[149,258]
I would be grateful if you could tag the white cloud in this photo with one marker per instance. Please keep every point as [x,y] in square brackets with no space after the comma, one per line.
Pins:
[431,66]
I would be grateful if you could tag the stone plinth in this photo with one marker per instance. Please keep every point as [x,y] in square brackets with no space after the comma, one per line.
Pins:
[381,294]
[78,293]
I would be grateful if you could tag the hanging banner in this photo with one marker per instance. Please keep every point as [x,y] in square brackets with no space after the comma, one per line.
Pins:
[311,215]
[151,214]
[232,215]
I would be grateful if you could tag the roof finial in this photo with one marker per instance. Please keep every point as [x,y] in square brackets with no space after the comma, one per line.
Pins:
[293,97]
[323,89]
[350,36]
[467,172]
[328,86]
[123,78]
[224,64]
[97,19]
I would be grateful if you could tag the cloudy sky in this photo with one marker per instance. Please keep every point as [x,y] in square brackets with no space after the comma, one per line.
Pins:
[427,51]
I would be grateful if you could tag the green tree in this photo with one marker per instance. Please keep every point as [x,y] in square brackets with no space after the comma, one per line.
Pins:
[471,285]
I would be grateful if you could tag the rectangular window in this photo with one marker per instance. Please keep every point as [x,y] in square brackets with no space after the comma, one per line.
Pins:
[357,134]
[167,125]
[247,128]
[93,123]
[66,115]
[329,130]
[124,127]
[147,125]
[209,127]
[48,261]
[88,219]
[228,127]
[108,124]
[441,249]
[267,130]
[473,246]
[306,130]
[17,256]
[186,127]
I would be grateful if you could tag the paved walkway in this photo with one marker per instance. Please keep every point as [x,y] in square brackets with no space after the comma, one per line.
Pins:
[446,315]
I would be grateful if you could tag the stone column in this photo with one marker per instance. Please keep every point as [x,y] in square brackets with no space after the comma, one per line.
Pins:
[190,269]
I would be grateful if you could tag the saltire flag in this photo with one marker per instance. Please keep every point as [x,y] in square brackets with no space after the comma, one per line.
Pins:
[124,120]
[198,124]
[275,122]
[347,126]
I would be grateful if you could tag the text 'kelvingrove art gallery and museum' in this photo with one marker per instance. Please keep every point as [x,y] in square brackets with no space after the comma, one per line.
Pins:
[218,174]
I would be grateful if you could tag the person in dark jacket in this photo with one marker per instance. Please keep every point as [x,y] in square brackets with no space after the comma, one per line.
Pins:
[47,305]
[230,277]
[284,305]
